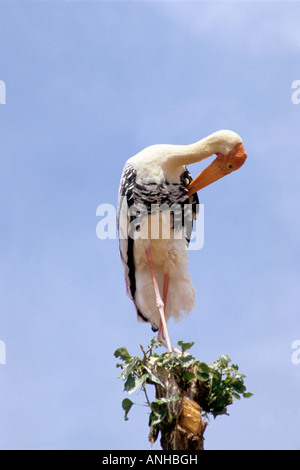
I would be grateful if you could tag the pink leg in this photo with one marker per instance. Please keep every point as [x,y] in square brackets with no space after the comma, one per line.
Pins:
[160,304]
[166,286]
[160,335]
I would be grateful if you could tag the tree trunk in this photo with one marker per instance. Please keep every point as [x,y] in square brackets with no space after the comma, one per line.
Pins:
[188,431]
[185,429]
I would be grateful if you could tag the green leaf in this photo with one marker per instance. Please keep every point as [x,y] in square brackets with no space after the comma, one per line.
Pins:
[126,405]
[202,376]
[185,346]
[128,368]
[224,360]
[186,361]
[204,367]
[130,383]
[172,398]
[216,413]
[153,435]
[133,383]
[238,386]
[122,353]
[153,377]
[247,395]
[157,416]
[188,375]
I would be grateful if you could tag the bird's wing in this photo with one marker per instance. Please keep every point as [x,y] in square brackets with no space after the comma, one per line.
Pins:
[125,200]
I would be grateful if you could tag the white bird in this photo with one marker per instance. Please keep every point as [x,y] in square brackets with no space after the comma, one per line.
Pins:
[157,205]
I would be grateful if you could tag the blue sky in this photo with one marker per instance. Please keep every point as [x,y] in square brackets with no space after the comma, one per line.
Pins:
[89,84]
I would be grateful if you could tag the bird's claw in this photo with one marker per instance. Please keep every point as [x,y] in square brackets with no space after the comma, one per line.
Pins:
[174,350]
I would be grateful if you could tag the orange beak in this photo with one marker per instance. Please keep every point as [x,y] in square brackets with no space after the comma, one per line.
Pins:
[221,166]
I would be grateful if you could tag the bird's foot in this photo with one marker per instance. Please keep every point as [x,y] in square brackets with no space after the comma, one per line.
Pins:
[173,350]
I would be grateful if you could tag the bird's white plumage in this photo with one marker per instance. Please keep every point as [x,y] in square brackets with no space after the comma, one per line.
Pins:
[169,256]
[158,174]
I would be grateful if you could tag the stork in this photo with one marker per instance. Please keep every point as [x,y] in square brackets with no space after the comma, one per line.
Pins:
[156,263]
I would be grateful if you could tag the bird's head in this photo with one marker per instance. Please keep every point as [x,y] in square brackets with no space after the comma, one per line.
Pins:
[221,166]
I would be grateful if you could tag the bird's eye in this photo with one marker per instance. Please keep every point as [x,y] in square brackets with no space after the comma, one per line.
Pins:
[229,166]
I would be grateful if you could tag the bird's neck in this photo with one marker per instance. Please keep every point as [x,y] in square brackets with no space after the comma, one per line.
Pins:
[218,142]
[196,152]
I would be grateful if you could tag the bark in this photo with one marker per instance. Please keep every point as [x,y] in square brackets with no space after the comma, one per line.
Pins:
[183,428]
[188,431]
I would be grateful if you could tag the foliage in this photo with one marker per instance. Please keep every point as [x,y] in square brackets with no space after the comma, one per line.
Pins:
[220,381]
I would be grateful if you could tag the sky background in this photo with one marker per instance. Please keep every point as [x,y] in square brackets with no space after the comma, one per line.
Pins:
[88,85]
